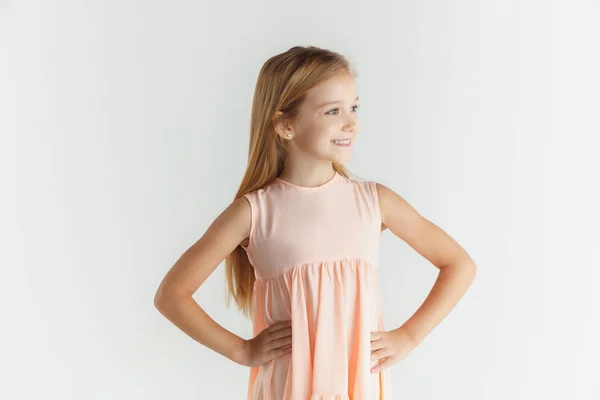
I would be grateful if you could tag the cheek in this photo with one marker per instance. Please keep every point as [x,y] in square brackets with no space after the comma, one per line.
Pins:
[315,133]
[317,139]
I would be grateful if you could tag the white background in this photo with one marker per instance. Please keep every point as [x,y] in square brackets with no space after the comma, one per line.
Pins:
[125,133]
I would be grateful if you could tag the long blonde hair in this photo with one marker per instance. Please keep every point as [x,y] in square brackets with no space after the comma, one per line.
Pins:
[281,85]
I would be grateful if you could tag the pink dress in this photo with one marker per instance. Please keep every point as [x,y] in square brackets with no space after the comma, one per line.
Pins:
[315,256]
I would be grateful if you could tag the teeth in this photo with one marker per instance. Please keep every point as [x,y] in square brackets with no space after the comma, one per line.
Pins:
[345,141]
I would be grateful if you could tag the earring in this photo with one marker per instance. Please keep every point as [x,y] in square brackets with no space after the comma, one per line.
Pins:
[289,135]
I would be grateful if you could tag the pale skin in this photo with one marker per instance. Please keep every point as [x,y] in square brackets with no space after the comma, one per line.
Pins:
[309,163]
[457,271]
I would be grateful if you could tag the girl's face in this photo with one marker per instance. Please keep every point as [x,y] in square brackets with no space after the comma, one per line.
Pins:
[329,113]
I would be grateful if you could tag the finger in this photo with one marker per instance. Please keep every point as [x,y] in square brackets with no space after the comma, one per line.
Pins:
[280,333]
[383,365]
[379,354]
[376,345]
[281,351]
[278,349]
[376,335]
[279,325]
[274,344]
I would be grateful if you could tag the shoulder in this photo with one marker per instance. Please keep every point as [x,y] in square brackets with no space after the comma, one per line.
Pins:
[240,209]
[370,191]
[386,195]
[386,199]
[244,211]
[394,206]
[257,197]
[365,184]
[383,191]
[368,188]
[245,204]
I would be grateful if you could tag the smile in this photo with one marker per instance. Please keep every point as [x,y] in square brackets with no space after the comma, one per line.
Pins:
[342,142]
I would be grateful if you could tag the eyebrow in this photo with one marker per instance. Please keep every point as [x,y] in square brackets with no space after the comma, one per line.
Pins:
[332,102]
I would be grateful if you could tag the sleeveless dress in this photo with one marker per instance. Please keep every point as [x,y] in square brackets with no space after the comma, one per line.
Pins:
[315,256]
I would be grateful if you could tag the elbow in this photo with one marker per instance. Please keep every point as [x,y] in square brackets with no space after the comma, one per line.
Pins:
[164,299]
[159,300]
[471,269]
[465,267]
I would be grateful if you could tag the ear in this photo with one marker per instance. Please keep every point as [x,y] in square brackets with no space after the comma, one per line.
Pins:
[282,127]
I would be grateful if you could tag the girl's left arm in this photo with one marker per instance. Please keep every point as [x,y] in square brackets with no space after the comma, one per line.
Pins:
[457,271]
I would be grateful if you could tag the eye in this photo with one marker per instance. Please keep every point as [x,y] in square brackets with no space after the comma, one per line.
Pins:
[356,107]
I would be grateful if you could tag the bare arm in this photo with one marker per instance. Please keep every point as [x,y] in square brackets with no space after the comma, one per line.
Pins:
[457,269]
[174,295]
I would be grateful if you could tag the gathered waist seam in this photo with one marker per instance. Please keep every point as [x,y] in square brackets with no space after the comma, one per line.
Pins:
[360,261]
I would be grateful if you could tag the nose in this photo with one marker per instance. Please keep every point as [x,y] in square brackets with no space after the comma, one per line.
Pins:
[351,126]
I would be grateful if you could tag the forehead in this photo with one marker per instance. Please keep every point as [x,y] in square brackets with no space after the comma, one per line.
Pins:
[338,88]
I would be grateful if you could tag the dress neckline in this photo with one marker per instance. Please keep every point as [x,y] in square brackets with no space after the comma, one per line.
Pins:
[309,188]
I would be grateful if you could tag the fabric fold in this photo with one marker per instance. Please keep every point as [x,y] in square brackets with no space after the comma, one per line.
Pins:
[314,251]
[333,307]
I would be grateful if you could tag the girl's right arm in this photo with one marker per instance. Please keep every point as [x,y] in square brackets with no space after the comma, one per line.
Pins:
[173,298]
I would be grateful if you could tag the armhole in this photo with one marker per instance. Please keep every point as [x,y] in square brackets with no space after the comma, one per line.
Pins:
[379,218]
[250,200]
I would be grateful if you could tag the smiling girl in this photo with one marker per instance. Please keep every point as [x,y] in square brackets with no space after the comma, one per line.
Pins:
[301,245]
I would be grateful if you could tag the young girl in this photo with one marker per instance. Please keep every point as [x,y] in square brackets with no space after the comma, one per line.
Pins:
[301,242]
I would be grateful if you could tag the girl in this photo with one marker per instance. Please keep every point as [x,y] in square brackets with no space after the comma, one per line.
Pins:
[301,241]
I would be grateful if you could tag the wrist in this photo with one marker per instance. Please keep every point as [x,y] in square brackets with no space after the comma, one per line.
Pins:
[241,353]
[407,336]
